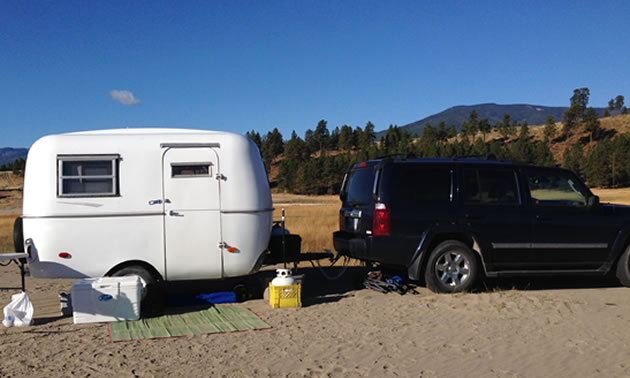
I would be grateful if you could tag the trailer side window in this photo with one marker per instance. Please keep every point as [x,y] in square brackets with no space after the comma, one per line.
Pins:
[190,169]
[87,175]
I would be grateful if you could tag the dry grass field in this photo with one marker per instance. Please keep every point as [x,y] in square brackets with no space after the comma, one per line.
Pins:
[314,218]
[6,232]
[10,206]
[620,195]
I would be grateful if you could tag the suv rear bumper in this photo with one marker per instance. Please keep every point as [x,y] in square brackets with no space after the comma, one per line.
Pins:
[348,245]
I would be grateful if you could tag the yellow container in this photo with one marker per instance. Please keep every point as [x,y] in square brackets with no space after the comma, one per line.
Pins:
[285,296]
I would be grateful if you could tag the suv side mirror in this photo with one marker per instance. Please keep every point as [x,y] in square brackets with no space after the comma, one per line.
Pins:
[592,202]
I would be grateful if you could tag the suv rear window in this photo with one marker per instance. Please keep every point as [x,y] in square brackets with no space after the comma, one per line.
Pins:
[360,186]
[490,186]
[420,184]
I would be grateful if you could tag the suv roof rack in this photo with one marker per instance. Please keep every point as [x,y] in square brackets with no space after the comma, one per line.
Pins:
[402,155]
[489,156]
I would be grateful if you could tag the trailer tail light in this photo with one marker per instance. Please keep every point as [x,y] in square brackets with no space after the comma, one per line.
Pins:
[65,255]
[380,220]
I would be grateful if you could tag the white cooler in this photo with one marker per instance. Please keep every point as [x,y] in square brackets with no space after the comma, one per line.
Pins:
[106,299]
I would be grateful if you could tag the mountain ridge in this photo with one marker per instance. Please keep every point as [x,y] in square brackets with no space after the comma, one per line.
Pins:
[9,154]
[455,115]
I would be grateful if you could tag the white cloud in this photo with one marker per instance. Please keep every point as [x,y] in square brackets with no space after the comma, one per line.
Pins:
[124,97]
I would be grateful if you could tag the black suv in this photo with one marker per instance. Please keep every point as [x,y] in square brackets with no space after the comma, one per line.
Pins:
[450,221]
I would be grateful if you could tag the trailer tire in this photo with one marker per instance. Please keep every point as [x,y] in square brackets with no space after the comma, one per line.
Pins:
[18,235]
[150,297]
[623,268]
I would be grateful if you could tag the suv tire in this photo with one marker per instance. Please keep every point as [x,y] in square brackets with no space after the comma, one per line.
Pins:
[452,267]
[623,268]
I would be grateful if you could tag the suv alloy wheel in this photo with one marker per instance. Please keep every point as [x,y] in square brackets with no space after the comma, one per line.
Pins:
[452,267]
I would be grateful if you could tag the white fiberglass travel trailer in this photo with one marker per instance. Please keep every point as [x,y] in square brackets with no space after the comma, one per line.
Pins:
[166,204]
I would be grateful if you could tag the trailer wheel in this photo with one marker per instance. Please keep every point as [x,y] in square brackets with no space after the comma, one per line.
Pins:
[623,268]
[18,235]
[150,294]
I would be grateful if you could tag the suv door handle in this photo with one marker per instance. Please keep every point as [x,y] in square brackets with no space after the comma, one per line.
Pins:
[542,218]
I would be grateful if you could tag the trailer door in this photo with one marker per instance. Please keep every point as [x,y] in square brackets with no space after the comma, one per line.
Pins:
[192,219]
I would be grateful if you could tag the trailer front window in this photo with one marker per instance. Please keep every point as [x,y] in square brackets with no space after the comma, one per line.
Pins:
[87,175]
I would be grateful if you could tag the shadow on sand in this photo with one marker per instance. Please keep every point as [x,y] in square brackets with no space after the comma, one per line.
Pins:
[318,289]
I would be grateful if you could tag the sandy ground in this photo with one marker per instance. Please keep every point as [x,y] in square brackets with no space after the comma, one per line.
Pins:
[568,327]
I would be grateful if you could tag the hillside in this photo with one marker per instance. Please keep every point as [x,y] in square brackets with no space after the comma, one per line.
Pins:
[611,127]
[533,114]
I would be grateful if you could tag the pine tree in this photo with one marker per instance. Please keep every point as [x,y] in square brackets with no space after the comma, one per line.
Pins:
[428,146]
[550,128]
[320,137]
[504,129]
[295,148]
[573,157]
[255,137]
[591,124]
[367,137]
[441,132]
[346,138]
[479,148]
[484,128]
[522,149]
[576,111]
[619,103]
[543,155]
[597,167]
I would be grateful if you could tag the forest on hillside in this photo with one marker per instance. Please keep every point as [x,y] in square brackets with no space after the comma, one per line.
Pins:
[317,163]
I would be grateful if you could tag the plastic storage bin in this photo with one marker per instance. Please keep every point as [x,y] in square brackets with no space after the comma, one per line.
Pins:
[106,299]
[285,296]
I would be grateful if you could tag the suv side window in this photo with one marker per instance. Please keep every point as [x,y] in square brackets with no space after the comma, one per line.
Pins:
[555,188]
[360,186]
[490,186]
[420,184]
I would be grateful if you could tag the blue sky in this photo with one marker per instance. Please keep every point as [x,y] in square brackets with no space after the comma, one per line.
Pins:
[243,65]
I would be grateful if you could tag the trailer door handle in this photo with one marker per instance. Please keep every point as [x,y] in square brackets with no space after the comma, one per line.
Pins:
[155,202]
[174,214]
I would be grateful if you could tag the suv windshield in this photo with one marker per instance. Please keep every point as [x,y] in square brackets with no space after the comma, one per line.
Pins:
[360,185]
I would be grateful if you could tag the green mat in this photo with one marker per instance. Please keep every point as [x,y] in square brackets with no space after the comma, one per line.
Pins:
[212,320]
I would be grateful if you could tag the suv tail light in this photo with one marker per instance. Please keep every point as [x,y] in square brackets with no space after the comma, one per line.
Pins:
[380,220]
